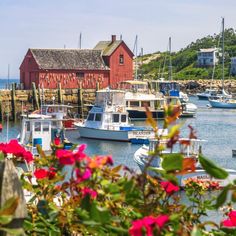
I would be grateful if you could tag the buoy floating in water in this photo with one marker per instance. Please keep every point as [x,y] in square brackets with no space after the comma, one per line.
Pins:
[0,127]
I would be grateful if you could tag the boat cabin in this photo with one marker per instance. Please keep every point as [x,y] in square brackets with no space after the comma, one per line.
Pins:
[134,86]
[109,111]
[40,131]
[58,111]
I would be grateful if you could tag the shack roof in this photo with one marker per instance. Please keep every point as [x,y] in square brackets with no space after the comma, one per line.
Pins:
[108,47]
[69,59]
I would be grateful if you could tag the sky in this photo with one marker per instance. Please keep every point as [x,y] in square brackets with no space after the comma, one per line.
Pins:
[58,23]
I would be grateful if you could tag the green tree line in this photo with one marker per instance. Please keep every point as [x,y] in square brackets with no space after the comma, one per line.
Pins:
[184,62]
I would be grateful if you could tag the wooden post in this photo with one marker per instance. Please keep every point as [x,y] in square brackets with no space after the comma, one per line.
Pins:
[97,86]
[13,102]
[60,100]
[39,97]
[80,103]
[10,186]
[35,98]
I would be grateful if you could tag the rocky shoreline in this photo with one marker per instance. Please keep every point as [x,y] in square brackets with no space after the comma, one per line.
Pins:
[193,86]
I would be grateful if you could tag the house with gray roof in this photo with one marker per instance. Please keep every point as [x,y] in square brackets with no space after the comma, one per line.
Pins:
[108,63]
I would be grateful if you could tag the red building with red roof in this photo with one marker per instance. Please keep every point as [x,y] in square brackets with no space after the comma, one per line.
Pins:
[109,63]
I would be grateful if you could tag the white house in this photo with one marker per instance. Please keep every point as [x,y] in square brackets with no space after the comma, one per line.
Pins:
[207,57]
[233,66]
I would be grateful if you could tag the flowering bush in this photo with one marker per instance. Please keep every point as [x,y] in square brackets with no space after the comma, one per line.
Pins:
[74,194]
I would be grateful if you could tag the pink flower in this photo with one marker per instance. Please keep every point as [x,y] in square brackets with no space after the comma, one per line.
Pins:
[227,223]
[82,147]
[169,187]
[41,173]
[161,220]
[136,229]
[82,176]
[91,192]
[231,221]
[65,157]
[148,223]
[232,216]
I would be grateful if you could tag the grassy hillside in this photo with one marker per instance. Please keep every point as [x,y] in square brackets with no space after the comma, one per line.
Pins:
[154,66]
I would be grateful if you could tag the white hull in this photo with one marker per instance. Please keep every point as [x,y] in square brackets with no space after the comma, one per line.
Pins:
[93,133]
[141,157]
[222,104]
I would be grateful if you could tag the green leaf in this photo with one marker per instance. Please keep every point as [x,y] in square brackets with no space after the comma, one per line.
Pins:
[99,214]
[196,232]
[113,188]
[212,169]
[2,156]
[5,219]
[13,231]
[222,197]
[117,229]
[9,206]
[85,203]
[172,161]
[83,214]
[174,129]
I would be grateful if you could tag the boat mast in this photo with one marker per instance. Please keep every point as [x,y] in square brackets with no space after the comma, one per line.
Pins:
[170,64]
[135,51]
[223,52]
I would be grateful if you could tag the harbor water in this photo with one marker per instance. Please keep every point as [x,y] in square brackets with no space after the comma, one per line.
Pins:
[217,126]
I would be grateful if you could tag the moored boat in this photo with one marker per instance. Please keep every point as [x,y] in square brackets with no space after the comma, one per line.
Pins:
[37,129]
[108,120]
[60,112]
[138,96]
[207,94]
[226,103]
[142,158]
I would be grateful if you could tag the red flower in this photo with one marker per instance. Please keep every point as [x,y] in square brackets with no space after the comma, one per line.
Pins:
[28,157]
[91,192]
[65,157]
[148,223]
[231,221]
[169,187]
[51,173]
[41,173]
[80,155]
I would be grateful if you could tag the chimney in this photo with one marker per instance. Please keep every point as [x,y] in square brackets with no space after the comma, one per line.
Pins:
[113,38]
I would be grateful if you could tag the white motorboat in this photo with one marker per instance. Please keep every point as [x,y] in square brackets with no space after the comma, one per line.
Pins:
[37,129]
[108,120]
[138,96]
[207,94]
[142,158]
